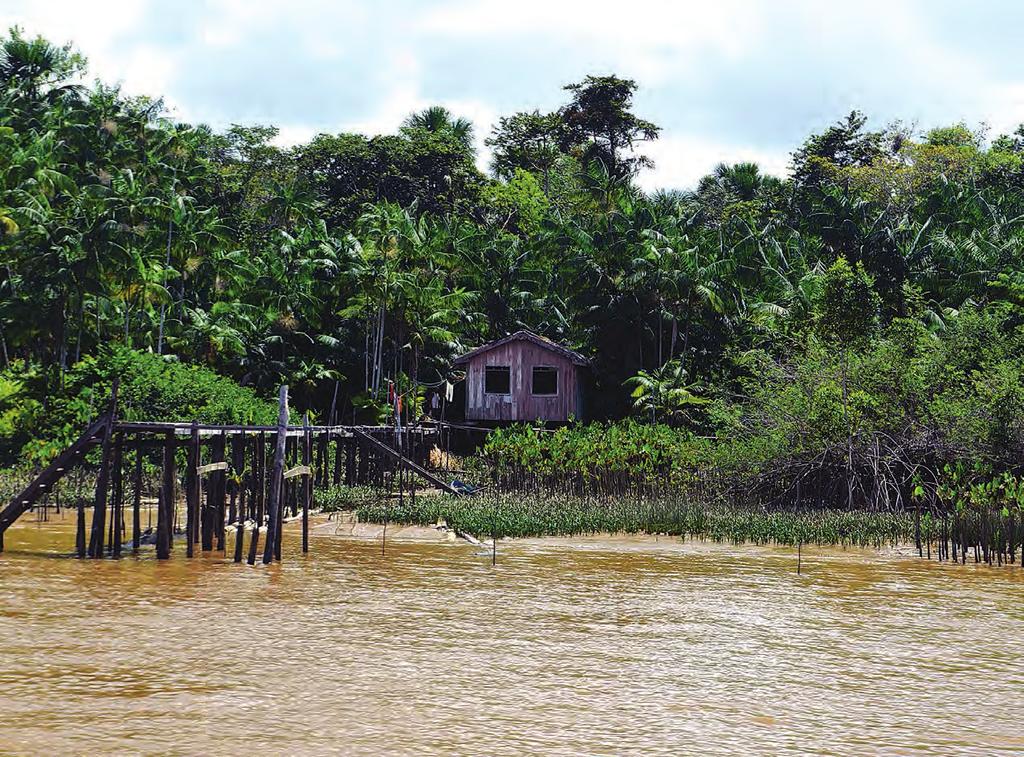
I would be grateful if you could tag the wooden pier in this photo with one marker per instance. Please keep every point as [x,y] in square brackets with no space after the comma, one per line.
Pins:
[248,477]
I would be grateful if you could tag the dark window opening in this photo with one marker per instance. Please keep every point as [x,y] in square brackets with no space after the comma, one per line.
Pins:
[545,381]
[497,379]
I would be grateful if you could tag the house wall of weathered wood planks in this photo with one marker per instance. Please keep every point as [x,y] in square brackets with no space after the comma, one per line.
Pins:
[523,377]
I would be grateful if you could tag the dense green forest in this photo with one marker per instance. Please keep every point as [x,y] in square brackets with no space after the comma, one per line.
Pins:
[851,331]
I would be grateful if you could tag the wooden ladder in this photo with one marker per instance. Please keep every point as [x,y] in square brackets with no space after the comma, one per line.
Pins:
[51,474]
[418,469]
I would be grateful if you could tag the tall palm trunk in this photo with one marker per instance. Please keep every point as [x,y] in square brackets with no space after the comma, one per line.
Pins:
[3,347]
[81,323]
[661,334]
[167,265]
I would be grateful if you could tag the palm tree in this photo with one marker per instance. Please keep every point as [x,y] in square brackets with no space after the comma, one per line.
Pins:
[664,393]
[38,67]
[438,120]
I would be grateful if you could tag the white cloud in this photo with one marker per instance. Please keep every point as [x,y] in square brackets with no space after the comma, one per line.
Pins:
[728,80]
[1006,108]
[289,135]
[649,38]
[94,28]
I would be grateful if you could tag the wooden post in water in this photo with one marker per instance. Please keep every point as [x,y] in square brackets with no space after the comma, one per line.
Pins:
[102,480]
[254,543]
[339,445]
[206,513]
[165,512]
[412,474]
[350,461]
[287,488]
[296,485]
[118,496]
[363,468]
[137,497]
[192,490]
[238,492]
[239,539]
[235,484]
[321,459]
[307,480]
[80,530]
[274,507]
[218,482]
[244,475]
[261,478]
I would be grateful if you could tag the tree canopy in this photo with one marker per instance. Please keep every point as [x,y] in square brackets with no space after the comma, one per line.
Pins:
[351,260]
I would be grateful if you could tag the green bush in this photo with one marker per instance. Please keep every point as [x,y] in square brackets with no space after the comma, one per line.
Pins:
[339,498]
[610,456]
[152,388]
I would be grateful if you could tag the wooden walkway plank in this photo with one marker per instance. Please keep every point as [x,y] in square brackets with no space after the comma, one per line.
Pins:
[52,473]
[396,455]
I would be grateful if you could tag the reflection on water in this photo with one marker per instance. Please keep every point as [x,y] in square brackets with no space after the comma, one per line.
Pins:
[607,647]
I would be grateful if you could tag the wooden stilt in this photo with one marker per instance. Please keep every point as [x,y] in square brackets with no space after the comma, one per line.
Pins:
[239,539]
[192,490]
[254,543]
[339,449]
[293,486]
[118,496]
[261,480]
[218,481]
[322,453]
[279,534]
[137,500]
[80,531]
[99,509]
[244,475]
[307,481]
[363,471]
[165,512]
[237,445]
[274,507]
[206,515]
[350,461]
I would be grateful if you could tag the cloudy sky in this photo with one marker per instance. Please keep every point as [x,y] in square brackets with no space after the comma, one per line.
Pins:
[726,79]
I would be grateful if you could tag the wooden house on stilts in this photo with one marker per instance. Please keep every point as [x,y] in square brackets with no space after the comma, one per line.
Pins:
[523,377]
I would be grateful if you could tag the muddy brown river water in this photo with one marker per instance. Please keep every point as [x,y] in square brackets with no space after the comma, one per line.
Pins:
[604,646]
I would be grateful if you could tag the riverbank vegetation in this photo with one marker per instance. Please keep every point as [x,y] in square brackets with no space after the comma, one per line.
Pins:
[517,516]
[913,417]
[849,337]
[977,535]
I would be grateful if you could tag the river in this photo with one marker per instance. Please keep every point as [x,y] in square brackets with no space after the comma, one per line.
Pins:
[603,646]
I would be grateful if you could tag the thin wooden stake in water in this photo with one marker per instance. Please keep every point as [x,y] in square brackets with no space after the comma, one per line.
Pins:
[307,480]
[117,497]
[137,498]
[274,500]
[80,532]
[192,490]
[165,511]
[239,539]
[799,554]
[102,479]
[218,484]
[254,544]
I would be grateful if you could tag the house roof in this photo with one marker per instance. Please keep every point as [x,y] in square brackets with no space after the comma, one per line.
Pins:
[525,336]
